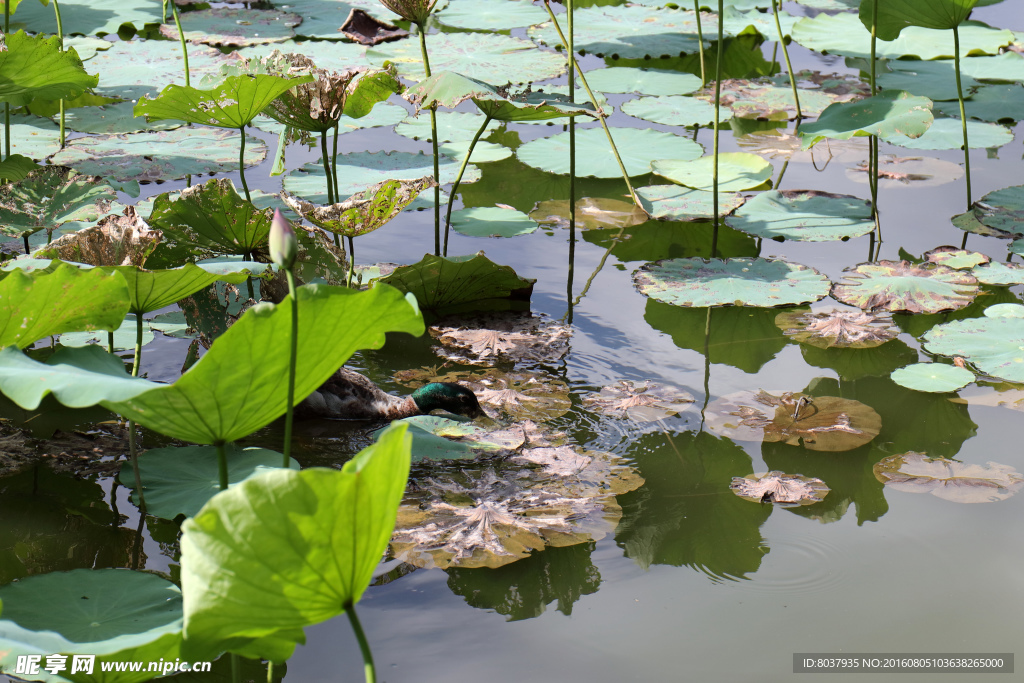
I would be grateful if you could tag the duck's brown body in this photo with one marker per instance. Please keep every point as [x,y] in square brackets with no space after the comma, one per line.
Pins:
[349,395]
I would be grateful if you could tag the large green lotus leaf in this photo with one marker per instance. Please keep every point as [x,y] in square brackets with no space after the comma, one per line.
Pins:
[459,284]
[492,221]
[736,21]
[450,89]
[675,110]
[240,384]
[40,304]
[234,27]
[359,170]
[638,147]
[995,273]
[483,56]
[451,126]
[49,197]
[491,15]
[15,167]
[627,32]
[161,155]
[331,55]
[949,479]
[990,103]
[1002,210]
[625,79]
[284,550]
[90,17]
[900,286]
[845,35]
[113,119]
[151,290]
[676,203]
[35,66]
[364,211]
[949,134]
[993,345]
[179,480]
[1008,66]
[804,215]
[730,282]
[933,377]
[232,104]
[896,15]
[33,136]
[135,68]
[890,112]
[736,171]
[935,80]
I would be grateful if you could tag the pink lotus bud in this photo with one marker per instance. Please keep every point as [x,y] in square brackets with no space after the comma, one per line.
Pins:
[283,246]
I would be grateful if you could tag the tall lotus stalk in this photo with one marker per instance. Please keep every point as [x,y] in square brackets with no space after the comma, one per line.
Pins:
[963,115]
[571,89]
[718,98]
[7,105]
[181,37]
[700,42]
[283,250]
[785,53]
[458,178]
[873,140]
[60,38]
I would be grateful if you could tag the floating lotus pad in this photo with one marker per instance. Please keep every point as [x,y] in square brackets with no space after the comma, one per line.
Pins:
[952,257]
[322,19]
[730,282]
[90,17]
[592,213]
[489,339]
[765,99]
[584,473]
[900,286]
[948,479]
[993,345]
[491,15]
[633,32]
[492,221]
[638,147]
[483,152]
[675,110]
[968,222]
[888,113]
[645,401]
[804,215]
[933,377]
[935,80]
[622,79]
[736,171]
[113,119]
[990,103]
[1005,311]
[677,203]
[948,134]
[451,126]
[463,435]
[135,68]
[117,240]
[1002,210]
[162,155]
[779,487]
[820,423]
[837,328]
[234,27]
[1002,274]
[34,137]
[921,171]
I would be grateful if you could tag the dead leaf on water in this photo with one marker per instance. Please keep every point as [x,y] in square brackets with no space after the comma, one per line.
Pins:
[124,240]
[491,338]
[948,479]
[779,487]
[592,213]
[837,328]
[644,401]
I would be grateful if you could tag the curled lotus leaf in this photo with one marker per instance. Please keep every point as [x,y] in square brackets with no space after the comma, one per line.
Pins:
[644,401]
[234,27]
[901,286]
[953,257]
[516,395]
[948,479]
[804,215]
[730,282]
[779,487]
[933,377]
[492,338]
[592,213]
[887,113]
[117,240]
[368,30]
[992,345]
[364,211]
[50,196]
[968,222]
[819,423]
[585,473]
[837,328]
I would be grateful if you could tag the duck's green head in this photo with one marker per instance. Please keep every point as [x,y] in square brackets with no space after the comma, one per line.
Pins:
[449,396]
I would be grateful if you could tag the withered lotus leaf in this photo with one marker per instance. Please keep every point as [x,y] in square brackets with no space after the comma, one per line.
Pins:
[901,286]
[779,487]
[948,479]
[124,240]
[644,401]
[489,339]
[837,328]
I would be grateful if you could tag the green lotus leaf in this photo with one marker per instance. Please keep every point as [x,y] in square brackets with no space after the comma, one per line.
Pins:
[86,46]
[730,282]
[1005,311]
[933,377]
[916,325]
[676,203]
[35,66]
[49,197]
[896,15]
[624,79]
[888,113]
[627,32]
[483,56]
[736,21]
[33,137]
[91,17]
[232,104]
[736,171]
[234,27]
[899,286]
[935,80]
[1001,210]
[1004,275]
[116,614]
[491,15]
[948,134]
[161,155]
[180,480]
[451,125]
[317,537]
[124,336]
[151,290]
[16,166]
[222,399]
[675,110]
[968,222]
[993,345]
[113,119]
[135,68]
[638,147]
[804,215]
[483,152]
[1008,66]
[948,479]
[364,211]
[40,304]
[459,284]
[492,221]
[837,328]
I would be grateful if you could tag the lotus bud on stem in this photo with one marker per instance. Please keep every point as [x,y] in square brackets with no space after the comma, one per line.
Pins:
[283,249]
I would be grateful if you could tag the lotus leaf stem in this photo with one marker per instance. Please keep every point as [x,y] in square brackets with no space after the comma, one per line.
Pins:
[60,39]
[110,343]
[293,359]
[331,196]
[785,54]
[433,144]
[600,265]
[236,660]
[364,645]
[458,180]
[270,672]
[351,260]
[181,37]
[873,140]
[133,453]
[963,114]
[7,105]
[222,467]
[700,43]
[334,163]
[27,247]
[571,70]
[241,165]
[718,104]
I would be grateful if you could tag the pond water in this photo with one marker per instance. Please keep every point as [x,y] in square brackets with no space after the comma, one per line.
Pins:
[694,583]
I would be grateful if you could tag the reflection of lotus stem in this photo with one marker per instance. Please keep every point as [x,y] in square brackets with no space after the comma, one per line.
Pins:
[718,103]
[600,265]
[292,362]
[364,645]
[181,36]
[331,197]
[700,43]
[707,366]
[593,100]
[433,143]
[60,39]
[873,140]
[785,53]
[458,179]
[963,114]
[241,165]
[351,261]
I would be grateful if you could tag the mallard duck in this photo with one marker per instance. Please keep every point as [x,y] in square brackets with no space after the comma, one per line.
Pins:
[352,396]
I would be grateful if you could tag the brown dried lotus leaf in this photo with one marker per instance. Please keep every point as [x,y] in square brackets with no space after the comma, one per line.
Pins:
[583,473]
[488,339]
[592,213]
[779,487]
[843,329]
[124,240]
[901,286]
[367,30]
[644,401]
[948,479]
[820,423]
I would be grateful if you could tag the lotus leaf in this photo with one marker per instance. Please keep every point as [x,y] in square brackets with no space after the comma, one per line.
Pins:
[364,211]
[933,377]
[86,46]
[996,273]
[948,134]
[622,79]
[234,27]
[633,32]
[40,304]
[644,401]
[736,171]
[837,328]
[951,257]
[730,282]
[888,113]
[584,473]
[898,286]
[948,479]
[50,197]
[162,155]
[675,110]
[483,152]
[492,221]
[922,171]
[676,203]
[1008,66]
[592,213]
[819,423]
[301,525]
[1002,210]
[428,446]
[518,395]
[475,437]
[135,68]
[549,105]
[367,30]
[124,337]
[16,166]
[896,15]
[993,345]
[804,215]
[115,241]
[968,222]
[765,99]
[935,80]
[491,15]
[779,487]
[451,125]
[113,119]
[486,57]
[638,147]
[151,290]
[91,17]
[322,19]
[1005,311]
[488,339]
[35,66]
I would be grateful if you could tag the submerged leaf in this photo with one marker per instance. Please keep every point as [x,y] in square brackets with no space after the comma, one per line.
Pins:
[778,487]
[489,339]
[898,286]
[837,328]
[592,213]
[644,401]
[948,479]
